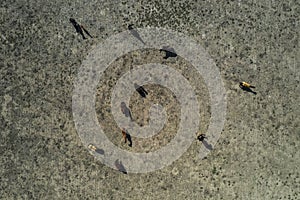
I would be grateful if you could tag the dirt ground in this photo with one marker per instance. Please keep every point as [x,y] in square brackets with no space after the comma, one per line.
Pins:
[257,155]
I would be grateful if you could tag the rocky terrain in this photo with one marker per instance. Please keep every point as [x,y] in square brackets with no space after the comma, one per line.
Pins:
[257,155]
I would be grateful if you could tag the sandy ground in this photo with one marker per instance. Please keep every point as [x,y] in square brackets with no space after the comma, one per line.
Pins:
[257,155]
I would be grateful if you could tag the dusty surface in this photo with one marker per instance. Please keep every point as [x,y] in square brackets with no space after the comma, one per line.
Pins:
[257,155]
